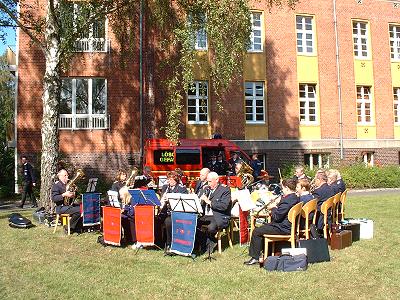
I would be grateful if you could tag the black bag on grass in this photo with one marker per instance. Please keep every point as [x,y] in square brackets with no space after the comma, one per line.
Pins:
[317,250]
[286,263]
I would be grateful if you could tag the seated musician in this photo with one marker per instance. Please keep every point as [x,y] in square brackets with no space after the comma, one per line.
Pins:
[280,223]
[145,180]
[173,186]
[339,181]
[303,190]
[332,182]
[201,184]
[119,182]
[216,202]
[59,193]
[322,191]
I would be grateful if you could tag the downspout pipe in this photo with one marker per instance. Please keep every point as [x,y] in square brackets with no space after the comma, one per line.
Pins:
[339,83]
[141,80]
[16,188]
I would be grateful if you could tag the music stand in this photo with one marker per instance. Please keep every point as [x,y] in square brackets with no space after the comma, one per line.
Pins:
[189,203]
[113,199]
[144,197]
[91,185]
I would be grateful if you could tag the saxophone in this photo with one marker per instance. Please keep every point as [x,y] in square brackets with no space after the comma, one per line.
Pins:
[71,186]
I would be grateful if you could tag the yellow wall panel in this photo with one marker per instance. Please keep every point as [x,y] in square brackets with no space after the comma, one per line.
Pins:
[366,132]
[254,67]
[395,74]
[256,132]
[201,65]
[363,72]
[307,68]
[397,132]
[309,132]
[198,131]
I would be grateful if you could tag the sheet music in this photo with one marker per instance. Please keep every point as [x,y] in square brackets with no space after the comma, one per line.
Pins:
[244,199]
[184,202]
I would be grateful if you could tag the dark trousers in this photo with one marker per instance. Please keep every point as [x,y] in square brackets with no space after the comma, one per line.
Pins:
[28,191]
[128,224]
[205,238]
[168,229]
[75,214]
[256,243]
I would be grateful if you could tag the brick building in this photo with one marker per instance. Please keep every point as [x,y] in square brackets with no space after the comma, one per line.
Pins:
[321,84]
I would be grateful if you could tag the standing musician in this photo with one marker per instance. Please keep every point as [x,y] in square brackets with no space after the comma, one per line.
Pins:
[280,223]
[216,203]
[127,215]
[59,193]
[173,186]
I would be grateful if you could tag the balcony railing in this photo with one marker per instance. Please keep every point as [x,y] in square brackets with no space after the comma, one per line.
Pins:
[77,122]
[91,45]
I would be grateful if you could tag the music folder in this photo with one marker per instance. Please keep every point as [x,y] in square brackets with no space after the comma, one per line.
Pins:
[184,202]
[144,197]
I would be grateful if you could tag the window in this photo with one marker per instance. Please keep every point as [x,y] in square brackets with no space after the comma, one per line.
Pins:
[364,104]
[305,35]
[360,39]
[394,34]
[198,103]
[256,31]
[317,160]
[308,104]
[368,159]
[83,103]
[396,103]
[187,156]
[93,38]
[254,97]
[200,34]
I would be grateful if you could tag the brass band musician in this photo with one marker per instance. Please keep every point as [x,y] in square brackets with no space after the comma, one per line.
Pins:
[59,193]
[173,186]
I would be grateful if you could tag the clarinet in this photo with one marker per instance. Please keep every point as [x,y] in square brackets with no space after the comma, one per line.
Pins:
[207,193]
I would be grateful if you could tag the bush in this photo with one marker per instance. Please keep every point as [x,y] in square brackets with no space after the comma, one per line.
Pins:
[357,176]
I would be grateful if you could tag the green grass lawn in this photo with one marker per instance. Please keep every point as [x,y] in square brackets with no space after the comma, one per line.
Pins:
[35,263]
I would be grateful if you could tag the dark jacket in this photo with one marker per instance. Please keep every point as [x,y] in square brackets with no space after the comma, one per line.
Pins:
[279,214]
[176,189]
[323,193]
[341,185]
[256,165]
[28,174]
[221,205]
[335,188]
[56,193]
[200,187]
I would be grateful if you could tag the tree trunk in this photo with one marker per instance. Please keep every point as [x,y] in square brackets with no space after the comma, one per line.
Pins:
[50,98]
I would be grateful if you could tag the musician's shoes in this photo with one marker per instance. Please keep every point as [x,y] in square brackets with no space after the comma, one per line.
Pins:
[251,261]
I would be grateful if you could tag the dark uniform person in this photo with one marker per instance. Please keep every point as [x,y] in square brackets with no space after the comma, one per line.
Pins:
[28,182]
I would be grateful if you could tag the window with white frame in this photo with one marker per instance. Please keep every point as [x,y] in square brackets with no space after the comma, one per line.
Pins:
[308,103]
[360,39]
[305,34]
[394,34]
[396,102]
[83,103]
[255,102]
[93,37]
[364,105]
[256,32]
[200,33]
[197,105]
[317,160]
[368,159]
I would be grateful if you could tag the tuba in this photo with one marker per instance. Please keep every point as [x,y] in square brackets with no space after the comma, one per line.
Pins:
[71,186]
[245,173]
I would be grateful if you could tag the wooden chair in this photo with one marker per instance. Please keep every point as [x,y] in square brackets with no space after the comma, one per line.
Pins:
[65,220]
[325,208]
[342,203]
[306,210]
[222,232]
[335,208]
[294,218]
